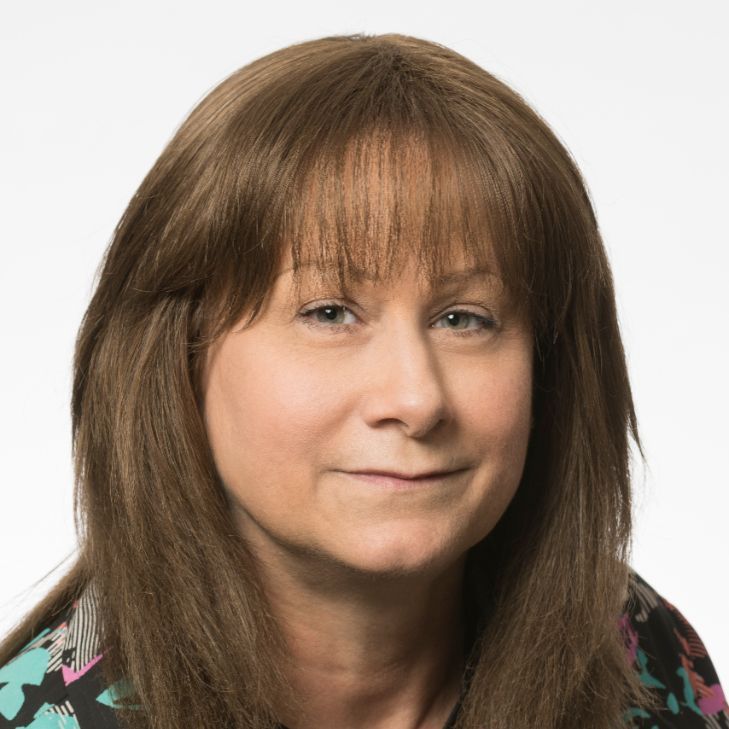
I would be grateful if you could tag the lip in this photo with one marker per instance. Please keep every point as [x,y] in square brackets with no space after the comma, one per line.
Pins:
[393,481]
[405,476]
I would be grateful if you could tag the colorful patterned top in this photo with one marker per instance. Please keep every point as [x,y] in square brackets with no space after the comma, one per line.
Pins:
[55,681]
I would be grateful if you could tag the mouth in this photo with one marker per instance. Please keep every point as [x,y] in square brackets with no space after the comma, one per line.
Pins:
[408,476]
[399,482]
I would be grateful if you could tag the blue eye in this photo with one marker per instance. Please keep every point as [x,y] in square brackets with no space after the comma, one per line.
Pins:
[331,309]
[486,324]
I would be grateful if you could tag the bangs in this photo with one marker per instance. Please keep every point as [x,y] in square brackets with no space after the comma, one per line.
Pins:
[369,203]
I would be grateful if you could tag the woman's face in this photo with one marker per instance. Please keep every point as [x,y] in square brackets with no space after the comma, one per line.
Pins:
[404,379]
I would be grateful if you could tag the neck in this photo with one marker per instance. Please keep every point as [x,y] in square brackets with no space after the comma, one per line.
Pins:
[369,653]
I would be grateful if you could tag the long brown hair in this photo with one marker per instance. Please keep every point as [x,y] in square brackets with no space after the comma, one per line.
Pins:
[278,149]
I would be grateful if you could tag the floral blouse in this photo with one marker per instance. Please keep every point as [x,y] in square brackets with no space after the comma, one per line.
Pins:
[55,681]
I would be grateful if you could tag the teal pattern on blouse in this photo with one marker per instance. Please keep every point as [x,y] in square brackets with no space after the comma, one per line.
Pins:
[55,681]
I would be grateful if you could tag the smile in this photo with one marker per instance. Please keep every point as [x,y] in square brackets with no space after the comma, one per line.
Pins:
[405,484]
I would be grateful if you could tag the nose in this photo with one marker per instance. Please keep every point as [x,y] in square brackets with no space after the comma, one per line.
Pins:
[404,383]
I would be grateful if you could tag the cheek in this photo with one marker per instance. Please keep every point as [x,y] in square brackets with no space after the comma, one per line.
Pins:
[500,406]
[496,421]
[265,416]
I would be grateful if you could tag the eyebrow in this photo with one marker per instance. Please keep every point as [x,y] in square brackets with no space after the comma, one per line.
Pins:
[362,275]
[465,274]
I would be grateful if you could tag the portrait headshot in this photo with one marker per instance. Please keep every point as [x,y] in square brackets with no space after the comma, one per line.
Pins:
[354,377]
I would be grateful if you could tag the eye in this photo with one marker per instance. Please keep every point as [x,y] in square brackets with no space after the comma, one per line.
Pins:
[485,323]
[330,310]
[309,316]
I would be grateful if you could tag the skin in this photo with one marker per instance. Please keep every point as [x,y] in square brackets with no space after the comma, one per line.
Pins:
[366,580]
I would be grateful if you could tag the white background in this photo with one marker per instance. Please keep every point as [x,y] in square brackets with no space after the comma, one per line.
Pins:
[636,90]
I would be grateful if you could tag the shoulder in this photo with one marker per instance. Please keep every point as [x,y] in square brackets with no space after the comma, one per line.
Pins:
[55,681]
[672,659]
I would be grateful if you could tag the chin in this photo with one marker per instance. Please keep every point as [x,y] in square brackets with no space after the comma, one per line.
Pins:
[395,559]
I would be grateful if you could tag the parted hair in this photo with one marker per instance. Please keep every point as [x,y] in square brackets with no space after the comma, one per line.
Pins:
[369,145]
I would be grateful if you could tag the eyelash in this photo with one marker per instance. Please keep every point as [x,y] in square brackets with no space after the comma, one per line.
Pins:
[488,324]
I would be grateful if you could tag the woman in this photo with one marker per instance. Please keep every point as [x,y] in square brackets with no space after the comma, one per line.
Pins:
[351,423]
